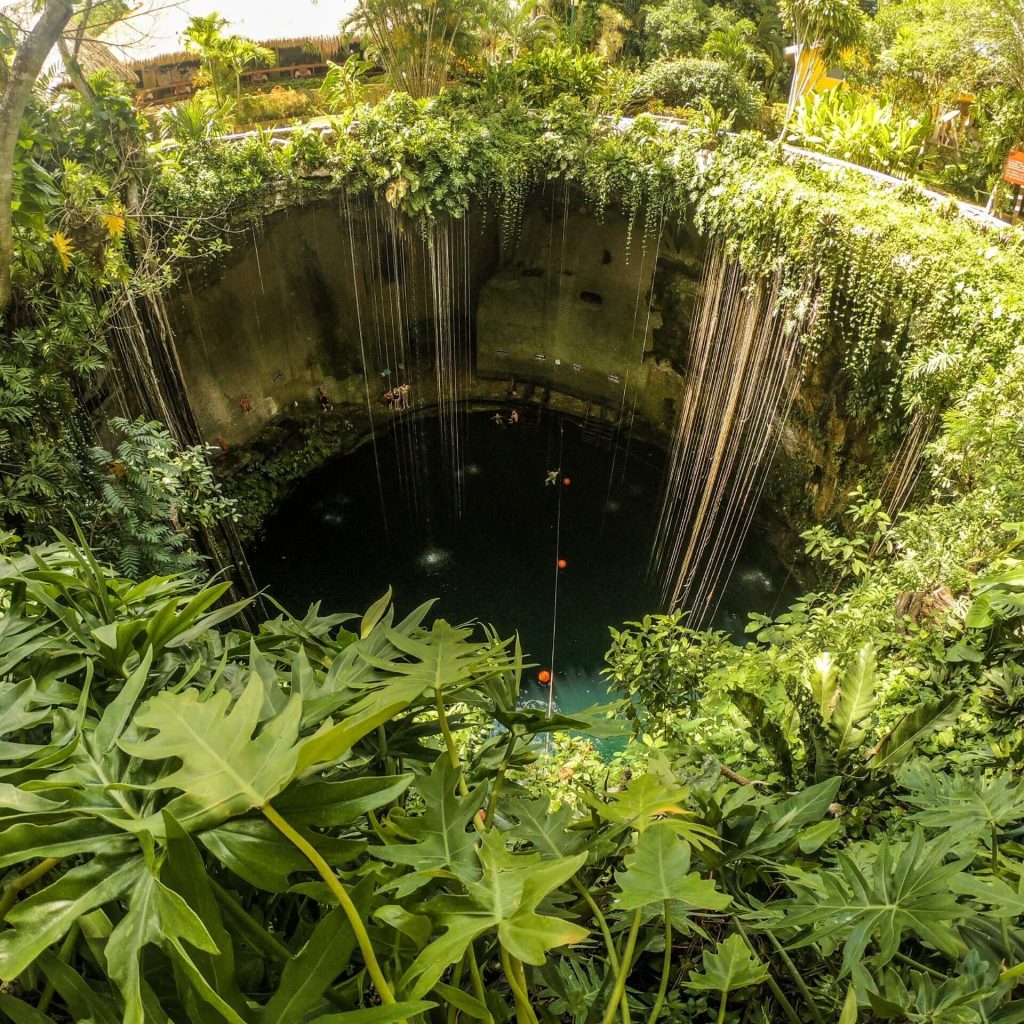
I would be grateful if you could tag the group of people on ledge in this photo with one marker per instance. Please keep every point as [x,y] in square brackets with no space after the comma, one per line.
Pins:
[512,420]
[397,398]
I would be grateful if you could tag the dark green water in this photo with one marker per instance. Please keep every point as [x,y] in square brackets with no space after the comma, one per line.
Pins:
[496,563]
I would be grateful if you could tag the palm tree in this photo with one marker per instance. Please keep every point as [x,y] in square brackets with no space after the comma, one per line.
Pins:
[203,35]
[516,26]
[821,29]
[733,43]
[417,41]
[238,53]
[223,56]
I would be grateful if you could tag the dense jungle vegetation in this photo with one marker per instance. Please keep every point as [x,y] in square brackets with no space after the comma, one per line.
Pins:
[348,819]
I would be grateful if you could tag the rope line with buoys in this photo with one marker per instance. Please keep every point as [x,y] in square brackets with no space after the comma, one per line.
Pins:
[550,673]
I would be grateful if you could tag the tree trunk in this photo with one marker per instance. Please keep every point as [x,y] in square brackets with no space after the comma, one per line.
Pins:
[28,63]
[74,70]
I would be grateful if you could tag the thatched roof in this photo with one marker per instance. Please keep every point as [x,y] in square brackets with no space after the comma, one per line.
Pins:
[324,46]
[94,56]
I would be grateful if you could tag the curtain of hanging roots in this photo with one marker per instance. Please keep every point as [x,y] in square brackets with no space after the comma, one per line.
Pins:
[905,471]
[151,383]
[414,340]
[744,368]
[448,270]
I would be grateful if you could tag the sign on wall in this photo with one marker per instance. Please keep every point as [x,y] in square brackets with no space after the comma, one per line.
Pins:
[1013,172]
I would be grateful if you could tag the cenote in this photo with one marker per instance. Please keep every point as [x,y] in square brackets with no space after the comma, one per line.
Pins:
[534,351]
[486,541]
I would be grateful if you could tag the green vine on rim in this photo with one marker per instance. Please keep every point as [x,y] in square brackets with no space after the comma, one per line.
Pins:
[918,302]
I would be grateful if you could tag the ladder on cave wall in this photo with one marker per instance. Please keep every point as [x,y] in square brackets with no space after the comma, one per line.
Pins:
[599,426]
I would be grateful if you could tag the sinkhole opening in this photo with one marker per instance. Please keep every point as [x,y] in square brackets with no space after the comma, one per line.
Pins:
[480,530]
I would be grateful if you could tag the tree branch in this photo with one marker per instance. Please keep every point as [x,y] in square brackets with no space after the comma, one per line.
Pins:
[28,63]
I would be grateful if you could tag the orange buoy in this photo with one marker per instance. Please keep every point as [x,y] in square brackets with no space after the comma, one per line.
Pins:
[562,563]
[566,480]
[544,676]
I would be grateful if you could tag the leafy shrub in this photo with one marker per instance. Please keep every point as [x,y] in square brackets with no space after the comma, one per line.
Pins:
[861,129]
[344,84]
[676,27]
[279,104]
[201,823]
[687,81]
[154,492]
[197,121]
[557,71]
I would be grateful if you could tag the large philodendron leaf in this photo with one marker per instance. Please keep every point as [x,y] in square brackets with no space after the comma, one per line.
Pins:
[46,916]
[909,889]
[257,852]
[649,799]
[225,769]
[437,840]
[733,965]
[659,872]
[593,721]
[545,828]
[156,916]
[21,708]
[314,802]
[505,900]
[975,993]
[317,964]
[442,660]
[778,824]
[973,803]
[183,871]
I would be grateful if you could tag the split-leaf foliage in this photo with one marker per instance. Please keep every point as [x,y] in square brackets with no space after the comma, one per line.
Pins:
[326,821]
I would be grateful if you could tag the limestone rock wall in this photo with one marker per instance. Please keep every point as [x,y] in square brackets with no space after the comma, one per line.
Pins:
[566,313]
[298,304]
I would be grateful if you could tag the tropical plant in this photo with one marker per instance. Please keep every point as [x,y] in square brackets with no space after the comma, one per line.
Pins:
[24,49]
[822,30]
[417,43]
[613,27]
[239,53]
[676,27]
[860,129]
[224,57]
[203,35]
[201,823]
[197,121]
[689,80]
[344,84]
[155,496]
[510,28]
[734,43]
